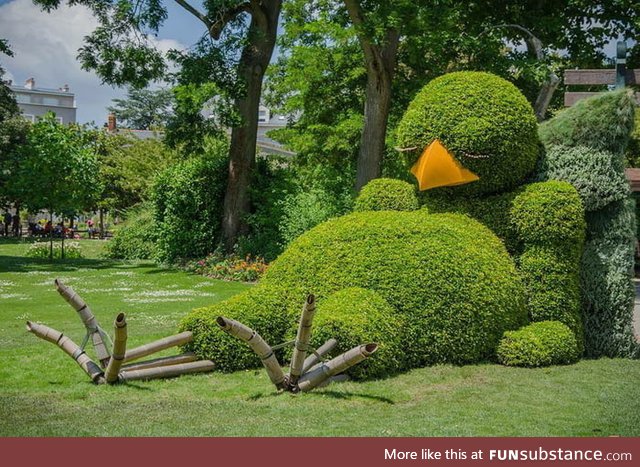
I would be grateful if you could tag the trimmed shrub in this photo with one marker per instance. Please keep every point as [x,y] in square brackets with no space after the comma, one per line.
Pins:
[484,120]
[355,316]
[585,146]
[188,199]
[136,238]
[597,174]
[538,344]
[41,250]
[446,275]
[387,194]
[604,123]
[260,308]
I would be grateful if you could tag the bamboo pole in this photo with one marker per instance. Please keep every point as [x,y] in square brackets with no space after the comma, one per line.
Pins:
[167,371]
[258,345]
[119,349]
[163,361]
[342,362]
[301,345]
[320,352]
[94,331]
[69,347]
[157,346]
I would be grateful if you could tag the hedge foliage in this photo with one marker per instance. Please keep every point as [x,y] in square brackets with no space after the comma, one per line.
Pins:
[387,194]
[355,316]
[484,120]
[188,204]
[585,145]
[603,123]
[448,276]
[137,237]
[539,344]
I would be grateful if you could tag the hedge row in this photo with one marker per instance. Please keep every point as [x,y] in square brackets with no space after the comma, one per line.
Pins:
[539,344]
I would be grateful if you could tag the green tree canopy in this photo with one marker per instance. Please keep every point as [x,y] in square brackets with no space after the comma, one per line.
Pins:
[143,109]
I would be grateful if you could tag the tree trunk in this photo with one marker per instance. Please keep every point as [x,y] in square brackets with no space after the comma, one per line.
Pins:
[63,235]
[101,223]
[254,60]
[51,235]
[376,116]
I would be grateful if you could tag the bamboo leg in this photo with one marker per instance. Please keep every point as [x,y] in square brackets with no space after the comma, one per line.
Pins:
[70,348]
[167,371]
[301,345]
[258,345]
[163,361]
[95,332]
[342,362]
[119,349]
[320,352]
[157,346]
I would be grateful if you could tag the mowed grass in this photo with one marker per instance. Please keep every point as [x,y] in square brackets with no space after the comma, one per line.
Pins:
[44,393]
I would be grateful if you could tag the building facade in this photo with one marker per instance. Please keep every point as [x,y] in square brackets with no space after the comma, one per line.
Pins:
[36,102]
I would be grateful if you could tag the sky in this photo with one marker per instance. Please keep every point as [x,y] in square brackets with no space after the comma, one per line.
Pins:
[45,46]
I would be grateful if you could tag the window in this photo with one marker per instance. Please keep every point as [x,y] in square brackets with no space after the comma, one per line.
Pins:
[51,101]
[29,118]
[59,120]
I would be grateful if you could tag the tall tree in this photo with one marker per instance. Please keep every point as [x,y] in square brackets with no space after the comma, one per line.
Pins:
[230,61]
[143,109]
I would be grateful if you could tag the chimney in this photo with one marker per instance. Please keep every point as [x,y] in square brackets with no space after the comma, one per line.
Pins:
[65,88]
[111,123]
[30,83]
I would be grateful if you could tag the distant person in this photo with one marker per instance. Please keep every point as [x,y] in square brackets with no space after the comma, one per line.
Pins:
[7,222]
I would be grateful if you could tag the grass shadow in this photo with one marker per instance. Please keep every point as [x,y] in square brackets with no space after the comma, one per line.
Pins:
[352,395]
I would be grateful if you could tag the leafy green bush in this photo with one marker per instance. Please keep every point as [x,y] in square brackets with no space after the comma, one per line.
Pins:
[228,267]
[387,194]
[484,120]
[262,309]
[538,344]
[603,123]
[137,237]
[585,146]
[72,250]
[596,174]
[188,200]
[633,149]
[355,316]
[446,274]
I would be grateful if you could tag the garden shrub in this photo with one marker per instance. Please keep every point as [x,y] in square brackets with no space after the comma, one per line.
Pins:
[355,316]
[41,250]
[538,344]
[486,123]
[447,275]
[596,174]
[603,123]
[386,194]
[188,199]
[260,308]
[633,148]
[136,238]
[585,146]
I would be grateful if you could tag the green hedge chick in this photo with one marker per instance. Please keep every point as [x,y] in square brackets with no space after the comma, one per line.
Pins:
[471,140]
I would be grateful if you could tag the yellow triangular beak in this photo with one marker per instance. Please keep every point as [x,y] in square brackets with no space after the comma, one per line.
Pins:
[437,167]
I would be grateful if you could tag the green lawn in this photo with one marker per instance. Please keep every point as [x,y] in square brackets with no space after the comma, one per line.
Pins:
[43,393]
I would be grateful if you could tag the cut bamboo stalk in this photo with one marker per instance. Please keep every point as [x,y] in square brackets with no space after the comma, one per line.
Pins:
[342,362]
[301,345]
[258,345]
[157,346]
[119,349]
[162,361]
[167,371]
[94,331]
[70,348]
[320,352]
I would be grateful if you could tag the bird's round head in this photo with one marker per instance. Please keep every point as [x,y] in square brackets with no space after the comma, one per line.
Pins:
[472,131]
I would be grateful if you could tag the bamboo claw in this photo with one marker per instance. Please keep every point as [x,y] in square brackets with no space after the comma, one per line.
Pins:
[162,361]
[301,345]
[320,352]
[258,345]
[157,346]
[119,349]
[166,371]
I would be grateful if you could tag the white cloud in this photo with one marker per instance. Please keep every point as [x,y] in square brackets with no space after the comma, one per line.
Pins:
[45,47]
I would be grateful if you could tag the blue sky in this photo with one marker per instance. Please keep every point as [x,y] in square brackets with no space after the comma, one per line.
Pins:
[45,47]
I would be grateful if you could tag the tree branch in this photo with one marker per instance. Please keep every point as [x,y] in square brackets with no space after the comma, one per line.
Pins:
[202,17]
[226,16]
[357,18]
